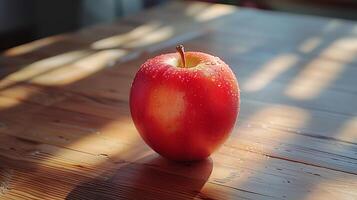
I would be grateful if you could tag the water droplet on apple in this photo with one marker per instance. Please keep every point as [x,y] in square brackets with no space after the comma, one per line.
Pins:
[35,152]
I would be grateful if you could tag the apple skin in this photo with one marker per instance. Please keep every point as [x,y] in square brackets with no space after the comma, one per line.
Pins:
[184,114]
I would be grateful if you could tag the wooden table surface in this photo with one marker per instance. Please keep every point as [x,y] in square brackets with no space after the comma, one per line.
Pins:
[66,130]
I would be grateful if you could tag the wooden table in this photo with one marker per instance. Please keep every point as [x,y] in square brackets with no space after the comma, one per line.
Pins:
[66,131]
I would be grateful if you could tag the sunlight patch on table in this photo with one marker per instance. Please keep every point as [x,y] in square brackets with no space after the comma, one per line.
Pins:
[278,120]
[7,103]
[267,126]
[211,12]
[27,48]
[154,37]
[249,150]
[46,65]
[80,69]
[332,25]
[354,30]
[117,140]
[4,83]
[155,32]
[269,71]
[143,35]
[310,44]
[343,50]
[342,187]
[23,92]
[348,130]
[195,7]
[315,77]
[281,115]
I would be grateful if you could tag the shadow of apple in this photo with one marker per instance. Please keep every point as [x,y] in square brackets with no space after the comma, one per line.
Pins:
[148,178]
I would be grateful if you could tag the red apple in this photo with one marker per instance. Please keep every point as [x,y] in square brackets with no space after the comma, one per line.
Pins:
[184,104]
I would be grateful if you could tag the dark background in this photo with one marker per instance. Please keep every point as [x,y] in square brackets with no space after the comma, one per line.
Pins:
[22,21]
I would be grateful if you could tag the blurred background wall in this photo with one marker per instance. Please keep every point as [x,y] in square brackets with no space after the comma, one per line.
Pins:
[26,20]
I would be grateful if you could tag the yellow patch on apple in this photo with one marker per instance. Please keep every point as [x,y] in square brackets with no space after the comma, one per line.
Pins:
[166,106]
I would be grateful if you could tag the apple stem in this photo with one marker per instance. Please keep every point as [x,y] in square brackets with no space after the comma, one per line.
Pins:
[181,50]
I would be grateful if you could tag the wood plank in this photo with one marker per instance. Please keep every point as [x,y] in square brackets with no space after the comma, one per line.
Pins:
[98,176]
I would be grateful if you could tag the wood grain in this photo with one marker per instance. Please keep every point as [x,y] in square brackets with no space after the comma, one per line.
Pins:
[66,130]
